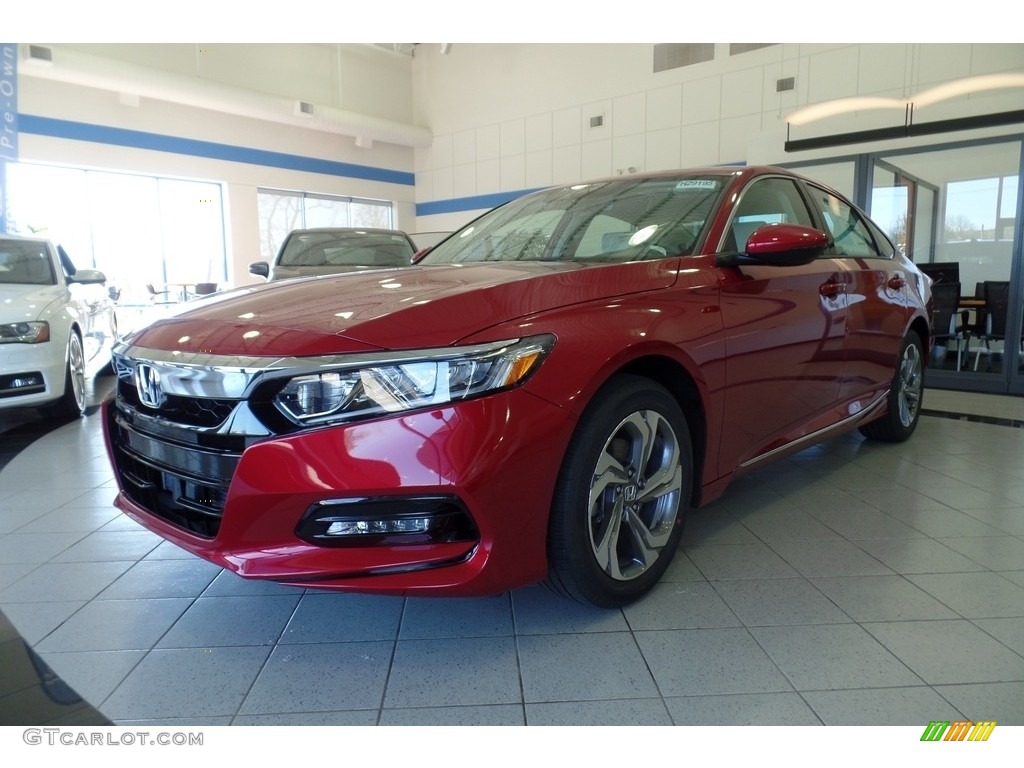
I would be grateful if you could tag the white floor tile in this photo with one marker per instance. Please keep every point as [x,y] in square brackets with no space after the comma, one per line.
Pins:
[851,584]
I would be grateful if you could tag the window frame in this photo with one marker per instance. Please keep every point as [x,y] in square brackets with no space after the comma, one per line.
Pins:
[266,237]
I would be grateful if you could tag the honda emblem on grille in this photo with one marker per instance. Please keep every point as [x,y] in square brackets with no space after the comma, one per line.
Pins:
[147,381]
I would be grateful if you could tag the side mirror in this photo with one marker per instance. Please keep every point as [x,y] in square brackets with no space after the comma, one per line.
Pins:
[260,268]
[88,277]
[421,253]
[779,245]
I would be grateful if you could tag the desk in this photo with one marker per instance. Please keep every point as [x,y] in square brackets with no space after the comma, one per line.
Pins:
[973,312]
[975,329]
[176,292]
[971,303]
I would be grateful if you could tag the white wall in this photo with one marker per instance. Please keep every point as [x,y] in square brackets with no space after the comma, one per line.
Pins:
[324,75]
[512,117]
[504,118]
[357,77]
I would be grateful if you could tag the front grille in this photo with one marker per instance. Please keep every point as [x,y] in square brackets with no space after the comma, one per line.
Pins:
[191,411]
[181,483]
[177,460]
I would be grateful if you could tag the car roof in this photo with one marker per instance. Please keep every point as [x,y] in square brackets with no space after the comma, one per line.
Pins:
[711,170]
[23,238]
[348,230]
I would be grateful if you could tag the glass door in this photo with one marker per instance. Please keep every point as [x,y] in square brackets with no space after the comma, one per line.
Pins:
[954,211]
[904,206]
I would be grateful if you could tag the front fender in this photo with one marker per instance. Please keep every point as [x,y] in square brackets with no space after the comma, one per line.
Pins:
[666,335]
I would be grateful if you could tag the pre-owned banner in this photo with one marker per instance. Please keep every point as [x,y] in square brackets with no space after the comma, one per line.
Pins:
[8,120]
[3,197]
[8,101]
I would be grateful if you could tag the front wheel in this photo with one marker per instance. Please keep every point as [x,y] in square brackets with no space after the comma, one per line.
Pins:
[71,404]
[622,492]
[905,396]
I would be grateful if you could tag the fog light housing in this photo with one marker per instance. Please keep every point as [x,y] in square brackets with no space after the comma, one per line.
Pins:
[22,384]
[387,521]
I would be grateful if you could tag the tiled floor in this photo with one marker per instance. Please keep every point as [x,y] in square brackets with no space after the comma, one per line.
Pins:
[852,584]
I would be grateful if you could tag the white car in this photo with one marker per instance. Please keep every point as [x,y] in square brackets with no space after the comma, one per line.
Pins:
[57,326]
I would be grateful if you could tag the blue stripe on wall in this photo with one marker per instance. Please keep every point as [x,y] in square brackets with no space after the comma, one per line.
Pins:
[123,137]
[476,203]
[102,134]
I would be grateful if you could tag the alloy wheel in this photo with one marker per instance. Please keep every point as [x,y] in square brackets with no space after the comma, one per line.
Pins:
[635,495]
[910,384]
[76,370]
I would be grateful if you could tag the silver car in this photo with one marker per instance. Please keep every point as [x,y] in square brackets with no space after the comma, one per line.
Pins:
[328,251]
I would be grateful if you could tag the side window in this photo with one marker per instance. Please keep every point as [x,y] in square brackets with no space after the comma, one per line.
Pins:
[885,246]
[851,237]
[766,201]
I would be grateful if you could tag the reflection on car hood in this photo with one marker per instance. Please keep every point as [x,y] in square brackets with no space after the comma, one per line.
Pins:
[406,308]
[25,302]
[287,273]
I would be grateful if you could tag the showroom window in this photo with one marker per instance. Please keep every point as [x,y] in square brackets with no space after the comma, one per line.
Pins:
[981,209]
[736,49]
[676,55]
[281,211]
[139,230]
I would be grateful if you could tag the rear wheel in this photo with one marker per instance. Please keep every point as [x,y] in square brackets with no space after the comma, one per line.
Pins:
[905,396]
[624,487]
[71,404]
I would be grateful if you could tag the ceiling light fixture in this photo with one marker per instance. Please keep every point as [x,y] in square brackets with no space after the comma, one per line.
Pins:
[925,98]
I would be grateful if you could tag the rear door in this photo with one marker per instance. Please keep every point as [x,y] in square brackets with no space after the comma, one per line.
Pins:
[878,308]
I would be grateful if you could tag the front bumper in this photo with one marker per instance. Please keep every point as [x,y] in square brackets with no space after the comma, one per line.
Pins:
[44,362]
[242,506]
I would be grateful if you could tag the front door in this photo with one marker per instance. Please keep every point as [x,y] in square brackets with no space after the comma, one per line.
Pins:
[785,329]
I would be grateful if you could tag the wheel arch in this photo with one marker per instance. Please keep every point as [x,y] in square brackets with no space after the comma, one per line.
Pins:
[76,329]
[920,326]
[674,377]
[580,565]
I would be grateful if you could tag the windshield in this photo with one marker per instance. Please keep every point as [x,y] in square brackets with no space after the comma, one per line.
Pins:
[346,249]
[26,262]
[602,222]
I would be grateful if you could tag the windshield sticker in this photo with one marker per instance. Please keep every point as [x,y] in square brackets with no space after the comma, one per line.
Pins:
[697,184]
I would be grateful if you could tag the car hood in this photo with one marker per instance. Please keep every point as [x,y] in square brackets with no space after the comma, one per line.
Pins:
[26,302]
[407,308]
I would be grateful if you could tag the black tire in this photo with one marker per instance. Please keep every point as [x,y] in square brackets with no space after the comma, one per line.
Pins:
[71,404]
[905,396]
[623,490]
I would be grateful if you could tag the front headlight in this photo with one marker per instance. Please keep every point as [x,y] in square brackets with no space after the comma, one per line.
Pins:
[407,380]
[24,333]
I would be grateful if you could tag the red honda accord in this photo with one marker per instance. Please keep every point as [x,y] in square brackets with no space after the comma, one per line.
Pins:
[542,396]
